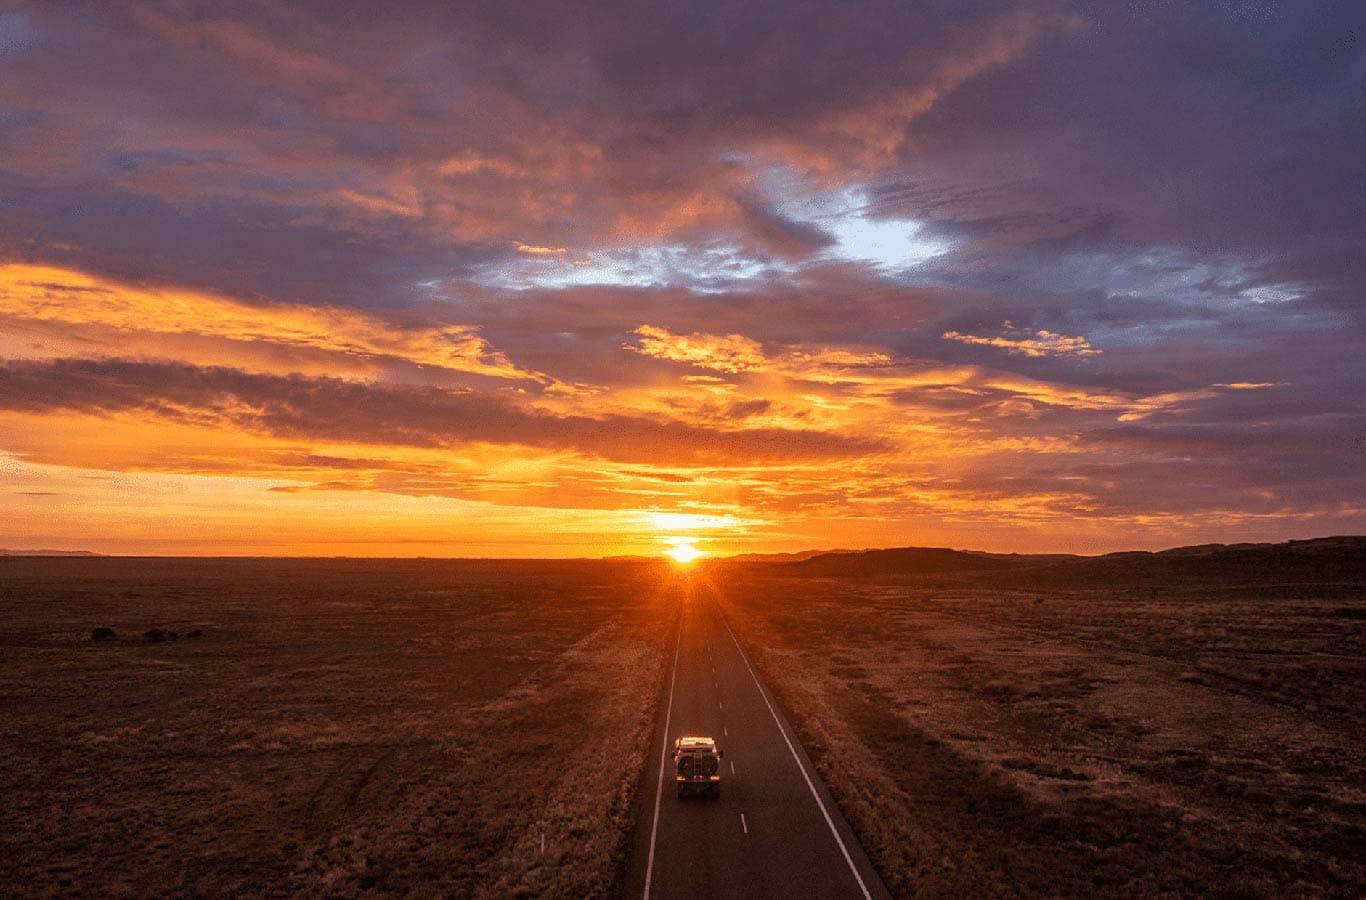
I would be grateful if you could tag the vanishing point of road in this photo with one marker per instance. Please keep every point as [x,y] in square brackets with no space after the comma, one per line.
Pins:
[774,831]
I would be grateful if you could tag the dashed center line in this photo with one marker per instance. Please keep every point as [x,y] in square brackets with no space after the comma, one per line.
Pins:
[732,767]
[725,731]
[743,823]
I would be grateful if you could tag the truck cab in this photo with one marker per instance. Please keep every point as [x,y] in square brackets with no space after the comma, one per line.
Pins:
[697,765]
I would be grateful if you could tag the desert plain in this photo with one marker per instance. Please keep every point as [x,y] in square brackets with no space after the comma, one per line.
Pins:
[1138,726]
[341,727]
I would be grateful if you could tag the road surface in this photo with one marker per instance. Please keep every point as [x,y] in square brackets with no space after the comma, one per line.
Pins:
[774,831]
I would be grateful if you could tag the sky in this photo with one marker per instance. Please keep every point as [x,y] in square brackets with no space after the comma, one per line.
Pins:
[584,279]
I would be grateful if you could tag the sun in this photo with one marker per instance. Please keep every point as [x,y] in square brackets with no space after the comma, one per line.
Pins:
[684,553]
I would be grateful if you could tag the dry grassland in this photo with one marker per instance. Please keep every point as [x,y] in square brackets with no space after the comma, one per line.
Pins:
[341,727]
[1164,743]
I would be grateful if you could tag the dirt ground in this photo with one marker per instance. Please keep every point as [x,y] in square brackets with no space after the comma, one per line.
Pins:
[340,727]
[1105,743]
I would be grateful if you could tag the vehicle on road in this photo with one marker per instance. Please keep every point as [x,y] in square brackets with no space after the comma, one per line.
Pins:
[697,765]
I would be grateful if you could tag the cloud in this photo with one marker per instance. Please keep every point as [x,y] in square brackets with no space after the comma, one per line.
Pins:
[336,410]
[540,251]
[735,353]
[318,143]
[780,235]
[80,302]
[722,353]
[1038,343]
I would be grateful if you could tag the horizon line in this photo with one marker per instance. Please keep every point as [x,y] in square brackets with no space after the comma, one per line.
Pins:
[6,553]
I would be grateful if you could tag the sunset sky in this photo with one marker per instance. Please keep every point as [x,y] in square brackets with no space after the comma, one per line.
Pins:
[562,279]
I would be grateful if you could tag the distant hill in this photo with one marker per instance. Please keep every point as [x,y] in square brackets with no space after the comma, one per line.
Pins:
[4,552]
[914,561]
[1330,559]
[1319,560]
[776,557]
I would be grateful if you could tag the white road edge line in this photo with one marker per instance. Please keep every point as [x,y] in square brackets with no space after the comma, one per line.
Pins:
[793,750]
[743,823]
[663,752]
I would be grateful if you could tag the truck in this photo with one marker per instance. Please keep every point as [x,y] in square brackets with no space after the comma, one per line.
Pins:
[697,765]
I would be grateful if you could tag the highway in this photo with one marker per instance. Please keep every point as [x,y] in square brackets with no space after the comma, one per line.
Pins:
[774,831]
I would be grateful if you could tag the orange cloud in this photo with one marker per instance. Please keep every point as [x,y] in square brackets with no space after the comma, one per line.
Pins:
[376,204]
[1039,343]
[735,353]
[723,353]
[123,314]
[541,251]
[472,163]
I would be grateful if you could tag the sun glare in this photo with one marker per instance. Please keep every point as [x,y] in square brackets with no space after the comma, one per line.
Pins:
[684,553]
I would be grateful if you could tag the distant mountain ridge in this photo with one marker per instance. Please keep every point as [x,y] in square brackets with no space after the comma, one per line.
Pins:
[1339,558]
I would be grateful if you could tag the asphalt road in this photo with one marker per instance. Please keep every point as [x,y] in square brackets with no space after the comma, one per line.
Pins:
[774,831]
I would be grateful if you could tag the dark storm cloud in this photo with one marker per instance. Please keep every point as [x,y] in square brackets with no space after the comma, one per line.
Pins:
[241,246]
[1216,127]
[779,234]
[331,152]
[333,409]
[447,130]
[1201,125]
